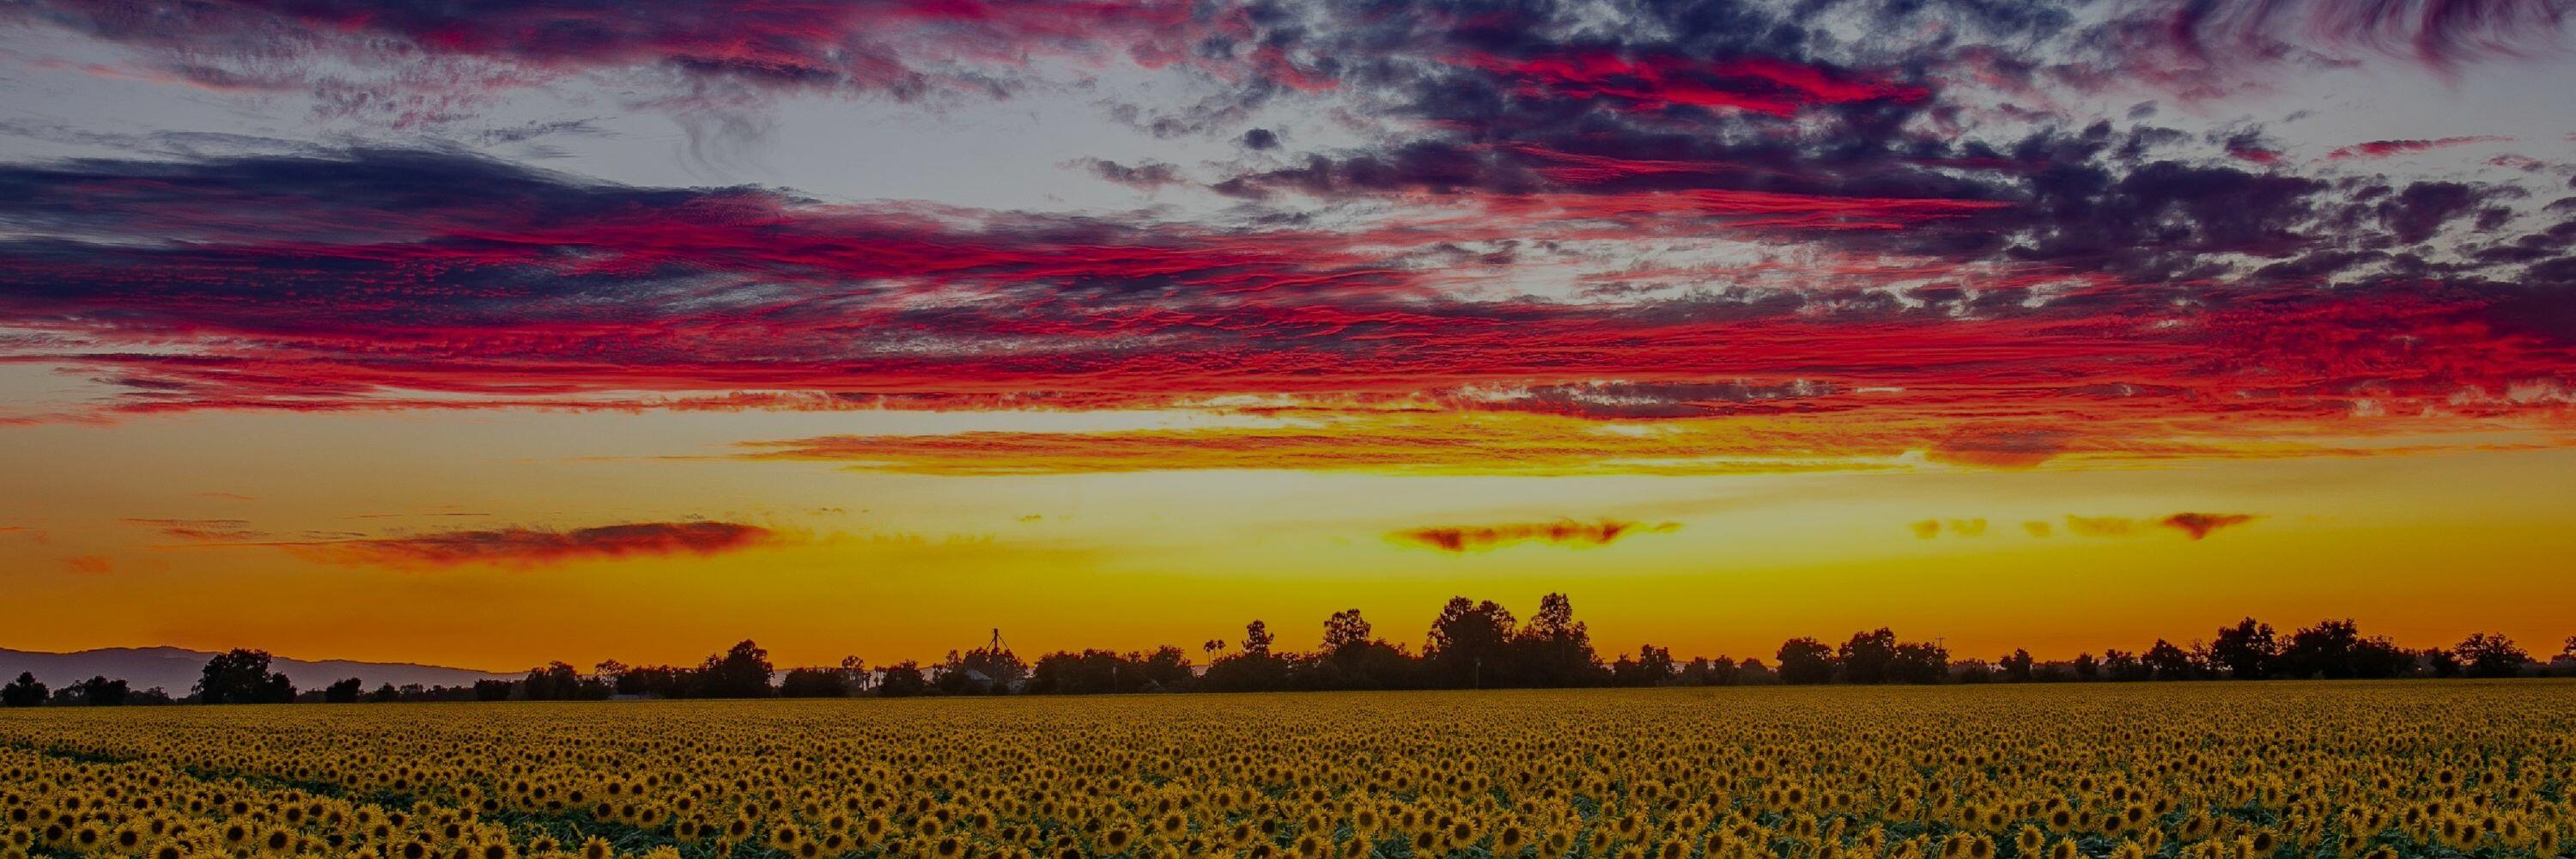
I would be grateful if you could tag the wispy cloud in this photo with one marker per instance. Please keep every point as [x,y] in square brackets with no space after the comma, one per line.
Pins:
[1477,538]
[2195,525]
[2387,148]
[1930,528]
[534,547]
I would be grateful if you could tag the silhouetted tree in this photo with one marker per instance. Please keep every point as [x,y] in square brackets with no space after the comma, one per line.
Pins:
[343,692]
[902,680]
[2016,667]
[2245,650]
[2165,661]
[2489,655]
[1973,671]
[1352,659]
[1866,656]
[102,692]
[241,676]
[1703,671]
[1091,672]
[1656,662]
[23,692]
[1805,661]
[557,681]
[1919,662]
[2087,667]
[1468,644]
[742,671]
[2336,650]
[854,674]
[2124,666]
[814,683]
[1653,666]
[1555,650]
[657,681]
[1345,629]
[1251,669]
[484,690]
[1167,669]
[982,670]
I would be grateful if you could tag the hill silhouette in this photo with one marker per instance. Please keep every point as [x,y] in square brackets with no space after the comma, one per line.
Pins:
[175,669]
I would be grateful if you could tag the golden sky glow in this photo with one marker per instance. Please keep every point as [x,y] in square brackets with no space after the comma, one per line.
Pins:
[894,565]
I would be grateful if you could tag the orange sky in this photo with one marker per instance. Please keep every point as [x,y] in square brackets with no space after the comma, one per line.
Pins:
[219,530]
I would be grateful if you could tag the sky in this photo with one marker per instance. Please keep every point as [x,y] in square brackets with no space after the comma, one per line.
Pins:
[490,333]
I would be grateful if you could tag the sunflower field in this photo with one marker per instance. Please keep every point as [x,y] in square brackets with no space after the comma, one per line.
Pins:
[2098,771]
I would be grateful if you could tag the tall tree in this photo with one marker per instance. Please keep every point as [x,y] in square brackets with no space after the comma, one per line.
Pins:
[742,671]
[1253,667]
[1653,666]
[2246,650]
[1555,650]
[1867,656]
[23,692]
[557,681]
[2166,661]
[1806,661]
[2489,655]
[982,670]
[103,692]
[241,676]
[2336,650]
[1167,669]
[1257,638]
[1345,629]
[1918,662]
[814,683]
[1467,645]
[854,673]
[902,680]
[343,692]
[2017,666]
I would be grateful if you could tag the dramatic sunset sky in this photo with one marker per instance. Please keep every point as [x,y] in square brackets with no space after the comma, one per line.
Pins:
[488,332]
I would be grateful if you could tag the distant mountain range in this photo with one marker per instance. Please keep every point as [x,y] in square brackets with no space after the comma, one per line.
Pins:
[176,670]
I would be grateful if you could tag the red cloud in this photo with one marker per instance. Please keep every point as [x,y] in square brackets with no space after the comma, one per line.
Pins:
[438,58]
[1757,84]
[2199,525]
[201,530]
[2386,148]
[529,547]
[1568,533]
[249,283]
[90,565]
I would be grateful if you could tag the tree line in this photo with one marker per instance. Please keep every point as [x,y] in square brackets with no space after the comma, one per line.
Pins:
[1471,645]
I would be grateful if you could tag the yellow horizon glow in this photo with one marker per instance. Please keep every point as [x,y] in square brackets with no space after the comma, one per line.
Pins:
[2423,547]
